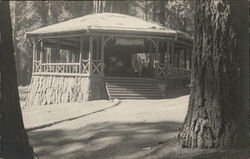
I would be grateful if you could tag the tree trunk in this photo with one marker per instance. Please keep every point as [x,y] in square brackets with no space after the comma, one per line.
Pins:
[14,140]
[218,104]
[162,12]
[17,51]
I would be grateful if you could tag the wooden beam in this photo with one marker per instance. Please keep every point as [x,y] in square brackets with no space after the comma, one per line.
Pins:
[90,53]
[57,50]
[150,54]
[156,56]
[185,58]
[97,48]
[167,52]
[80,54]
[102,55]
[172,53]
[107,39]
[34,54]
[152,41]
[112,35]
[187,44]
[178,57]
[41,51]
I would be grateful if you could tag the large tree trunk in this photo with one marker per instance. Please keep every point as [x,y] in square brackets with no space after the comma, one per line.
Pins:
[218,104]
[14,140]
[17,51]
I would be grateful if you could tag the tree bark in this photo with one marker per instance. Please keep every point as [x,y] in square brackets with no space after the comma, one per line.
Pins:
[17,51]
[14,140]
[218,104]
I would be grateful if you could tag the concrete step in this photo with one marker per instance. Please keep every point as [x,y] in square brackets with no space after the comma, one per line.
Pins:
[131,84]
[135,98]
[132,88]
[133,92]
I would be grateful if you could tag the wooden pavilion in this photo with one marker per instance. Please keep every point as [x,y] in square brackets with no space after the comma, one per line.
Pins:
[72,59]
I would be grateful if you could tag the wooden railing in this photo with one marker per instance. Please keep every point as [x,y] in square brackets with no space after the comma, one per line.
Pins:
[60,67]
[167,70]
[81,68]
[164,70]
[84,67]
[96,67]
[181,72]
[36,66]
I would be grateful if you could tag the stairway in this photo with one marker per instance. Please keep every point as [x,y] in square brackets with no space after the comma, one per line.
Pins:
[132,88]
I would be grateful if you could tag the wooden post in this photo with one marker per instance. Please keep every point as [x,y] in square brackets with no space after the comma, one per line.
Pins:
[157,56]
[102,55]
[80,54]
[172,53]
[97,48]
[166,53]
[34,55]
[90,53]
[41,51]
[185,58]
[178,57]
[150,54]
[57,50]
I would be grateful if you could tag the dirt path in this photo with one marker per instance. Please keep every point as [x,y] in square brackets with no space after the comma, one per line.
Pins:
[130,130]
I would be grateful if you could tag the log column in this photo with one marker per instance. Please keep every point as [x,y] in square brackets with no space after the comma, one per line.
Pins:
[157,56]
[172,53]
[90,53]
[57,51]
[81,54]
[102,55]
[34,54]
[166,53]
[42,51]
[178,57]
[185,58]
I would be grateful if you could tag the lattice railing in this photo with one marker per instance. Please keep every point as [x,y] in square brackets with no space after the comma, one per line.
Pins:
[167,70]
[60,67]
[164,70]
[84,67]
[37,66]
[181,72]
[96,66]
[68,68]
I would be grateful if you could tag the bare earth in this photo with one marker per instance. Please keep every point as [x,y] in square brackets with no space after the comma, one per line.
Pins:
[134,129]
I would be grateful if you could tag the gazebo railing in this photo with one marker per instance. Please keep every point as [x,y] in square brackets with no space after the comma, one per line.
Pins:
[167,70]
[181,72]
[60,67]
[164,70]
[96,67]
[81,68]
[36,66]
[84,66]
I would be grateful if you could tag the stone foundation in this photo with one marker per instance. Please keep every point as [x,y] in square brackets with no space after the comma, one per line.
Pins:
[62,89]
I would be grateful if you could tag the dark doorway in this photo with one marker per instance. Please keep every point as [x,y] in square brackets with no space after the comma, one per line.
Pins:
[128,60]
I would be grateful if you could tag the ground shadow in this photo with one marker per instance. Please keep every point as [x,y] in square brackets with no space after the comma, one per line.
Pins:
[176,92]
[103,140]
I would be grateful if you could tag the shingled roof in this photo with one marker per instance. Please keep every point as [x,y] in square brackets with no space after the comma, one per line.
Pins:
[105,22]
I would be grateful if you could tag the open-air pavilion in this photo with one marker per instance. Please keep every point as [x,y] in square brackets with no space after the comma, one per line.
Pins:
[73,59]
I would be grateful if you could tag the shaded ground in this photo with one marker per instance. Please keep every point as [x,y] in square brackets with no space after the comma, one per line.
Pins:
[130,130]
[134,129]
